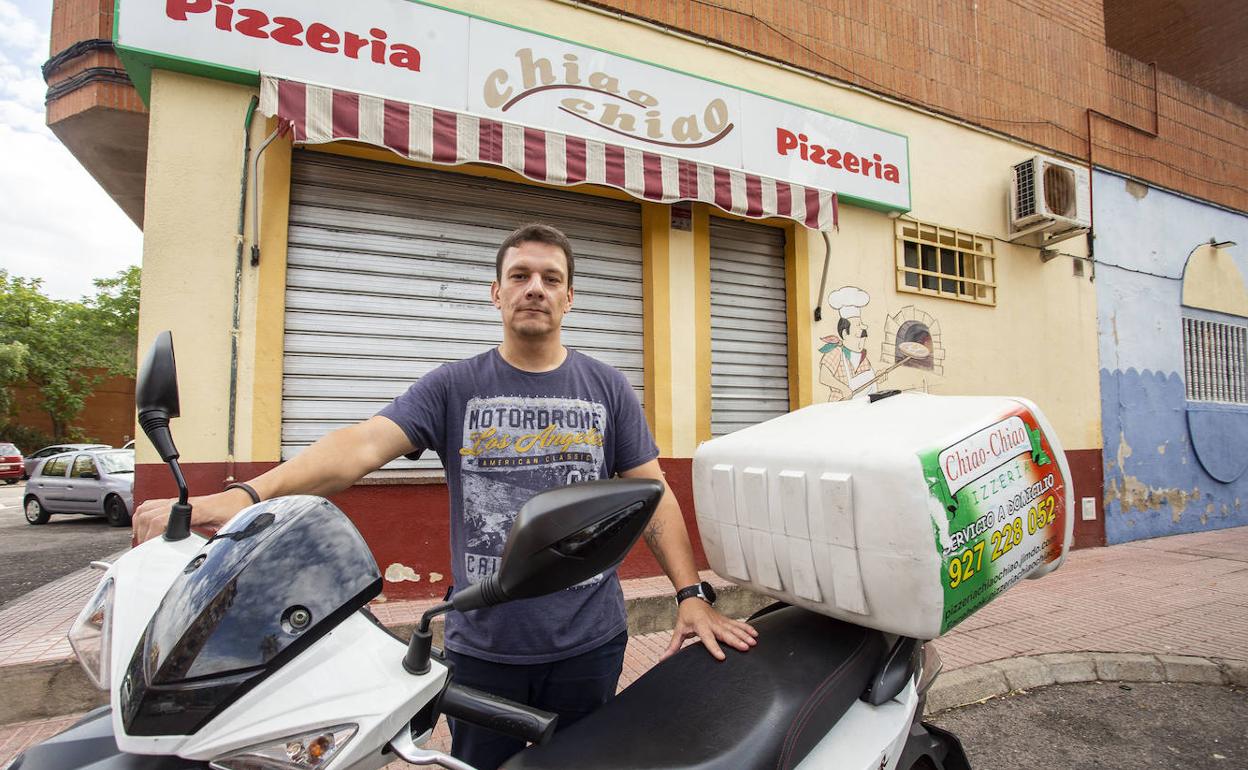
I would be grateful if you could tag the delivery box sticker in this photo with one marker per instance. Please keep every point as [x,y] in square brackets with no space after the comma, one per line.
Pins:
[1003,501]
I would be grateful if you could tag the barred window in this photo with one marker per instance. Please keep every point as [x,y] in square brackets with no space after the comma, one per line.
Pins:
[1215,361]
[944,262]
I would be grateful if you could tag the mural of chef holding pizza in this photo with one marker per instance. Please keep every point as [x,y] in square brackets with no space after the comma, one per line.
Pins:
[845,369]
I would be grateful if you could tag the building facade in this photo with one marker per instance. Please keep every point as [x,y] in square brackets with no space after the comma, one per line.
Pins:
[1173,306]
[770,211]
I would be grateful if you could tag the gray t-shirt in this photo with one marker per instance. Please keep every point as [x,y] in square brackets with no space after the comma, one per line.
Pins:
[504,434]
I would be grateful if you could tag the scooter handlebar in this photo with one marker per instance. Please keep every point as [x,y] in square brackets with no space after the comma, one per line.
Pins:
[497,713]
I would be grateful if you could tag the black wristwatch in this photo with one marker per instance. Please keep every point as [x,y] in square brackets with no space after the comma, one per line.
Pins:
[702,590]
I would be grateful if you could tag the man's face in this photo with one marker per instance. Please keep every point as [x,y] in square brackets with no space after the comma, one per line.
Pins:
[856,339]
[533,294]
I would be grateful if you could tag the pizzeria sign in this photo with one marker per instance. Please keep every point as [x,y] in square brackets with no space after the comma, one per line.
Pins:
[444,59]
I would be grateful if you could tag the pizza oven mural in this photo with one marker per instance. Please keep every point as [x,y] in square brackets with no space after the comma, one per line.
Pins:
[907,328]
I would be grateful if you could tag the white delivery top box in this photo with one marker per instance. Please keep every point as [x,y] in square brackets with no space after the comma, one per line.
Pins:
[906,515]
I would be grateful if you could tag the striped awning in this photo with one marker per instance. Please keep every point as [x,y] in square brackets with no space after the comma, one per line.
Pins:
[318,114]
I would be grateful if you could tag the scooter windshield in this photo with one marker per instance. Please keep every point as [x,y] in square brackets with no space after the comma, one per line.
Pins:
[276,578]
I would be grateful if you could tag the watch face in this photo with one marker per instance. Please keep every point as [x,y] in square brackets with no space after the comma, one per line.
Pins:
[708,591]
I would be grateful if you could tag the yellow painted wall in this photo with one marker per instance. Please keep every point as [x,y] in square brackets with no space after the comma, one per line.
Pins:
[656,322]
[264,345]
[1039,341]
[194,157]
[1212,281]
[682,274]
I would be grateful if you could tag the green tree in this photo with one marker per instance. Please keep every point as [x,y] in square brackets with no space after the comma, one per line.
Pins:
[70,346]
[13,357]
[114,312]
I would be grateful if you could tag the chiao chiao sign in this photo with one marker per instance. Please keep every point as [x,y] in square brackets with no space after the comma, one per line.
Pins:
[1002,513]
[531,79]
[432,56]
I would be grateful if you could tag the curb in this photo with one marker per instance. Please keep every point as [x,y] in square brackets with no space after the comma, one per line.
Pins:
[47,689]
[980,682]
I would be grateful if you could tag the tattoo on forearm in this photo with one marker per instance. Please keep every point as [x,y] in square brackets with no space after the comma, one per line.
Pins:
[654,532]
[654,536]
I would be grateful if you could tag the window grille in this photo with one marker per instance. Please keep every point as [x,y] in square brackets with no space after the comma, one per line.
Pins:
[1215,361]
[944,262]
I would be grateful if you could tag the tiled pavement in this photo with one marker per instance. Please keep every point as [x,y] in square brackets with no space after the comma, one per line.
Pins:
[33,627]
[1186,594]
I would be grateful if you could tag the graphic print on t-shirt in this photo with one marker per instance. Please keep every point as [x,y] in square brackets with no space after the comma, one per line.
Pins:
[515,447]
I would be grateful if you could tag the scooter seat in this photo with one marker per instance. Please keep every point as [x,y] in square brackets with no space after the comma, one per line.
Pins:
[766,708]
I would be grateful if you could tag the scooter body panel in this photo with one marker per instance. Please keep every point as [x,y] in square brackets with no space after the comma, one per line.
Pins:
[90,743]
[141,578]
[352,675]
[867,737]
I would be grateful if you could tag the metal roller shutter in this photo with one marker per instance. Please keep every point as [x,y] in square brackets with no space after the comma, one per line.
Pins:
[749,326]
[388,275]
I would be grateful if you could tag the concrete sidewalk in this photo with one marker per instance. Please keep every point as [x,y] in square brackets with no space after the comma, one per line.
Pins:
[1181,595]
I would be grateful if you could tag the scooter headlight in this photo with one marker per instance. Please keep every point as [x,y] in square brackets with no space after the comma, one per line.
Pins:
[298,752]
[91,636]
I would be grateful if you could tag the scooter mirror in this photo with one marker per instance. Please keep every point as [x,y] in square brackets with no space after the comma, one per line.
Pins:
[156,395]
[564,536]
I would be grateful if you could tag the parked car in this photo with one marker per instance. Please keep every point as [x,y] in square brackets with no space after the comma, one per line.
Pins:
[12,468]
[34,458]
[95,481]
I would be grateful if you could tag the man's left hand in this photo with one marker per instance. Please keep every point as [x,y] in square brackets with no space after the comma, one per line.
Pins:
[695,617]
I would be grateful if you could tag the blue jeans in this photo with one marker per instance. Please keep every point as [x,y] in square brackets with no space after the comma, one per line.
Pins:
[571,688]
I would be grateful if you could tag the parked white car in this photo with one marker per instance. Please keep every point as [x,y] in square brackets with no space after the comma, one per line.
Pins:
[94,481]
[33,459]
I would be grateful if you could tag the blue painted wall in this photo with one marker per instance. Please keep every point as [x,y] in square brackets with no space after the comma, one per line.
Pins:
[1155,484]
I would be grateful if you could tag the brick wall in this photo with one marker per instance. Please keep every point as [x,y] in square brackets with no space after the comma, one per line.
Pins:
[108,416]
[1029,69]
[80,20]
[74,20]
[1202,42]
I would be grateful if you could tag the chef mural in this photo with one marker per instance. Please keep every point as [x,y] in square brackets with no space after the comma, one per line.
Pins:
[845,368]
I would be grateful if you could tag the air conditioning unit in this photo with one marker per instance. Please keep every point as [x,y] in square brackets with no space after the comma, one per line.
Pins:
[1050,201]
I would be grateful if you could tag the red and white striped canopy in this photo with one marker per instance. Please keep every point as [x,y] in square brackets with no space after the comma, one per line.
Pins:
[319,114]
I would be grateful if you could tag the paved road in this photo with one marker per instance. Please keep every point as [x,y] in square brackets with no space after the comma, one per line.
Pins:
[1108,726]
[32,556]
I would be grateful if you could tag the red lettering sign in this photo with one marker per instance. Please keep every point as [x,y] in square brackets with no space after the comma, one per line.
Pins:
[822,155]
[286,30]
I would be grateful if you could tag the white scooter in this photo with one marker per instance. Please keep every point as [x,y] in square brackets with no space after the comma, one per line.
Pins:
[255,650]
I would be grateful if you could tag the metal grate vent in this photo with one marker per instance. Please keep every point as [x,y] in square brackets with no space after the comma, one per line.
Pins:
[1215,361]
[1025,185]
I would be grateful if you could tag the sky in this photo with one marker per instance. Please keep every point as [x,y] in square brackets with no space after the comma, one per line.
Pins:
[56,222]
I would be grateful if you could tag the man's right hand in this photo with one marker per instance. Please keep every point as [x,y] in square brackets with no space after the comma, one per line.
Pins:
[209,512]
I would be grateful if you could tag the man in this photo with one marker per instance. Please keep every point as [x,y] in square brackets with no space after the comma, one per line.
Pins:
[526,416]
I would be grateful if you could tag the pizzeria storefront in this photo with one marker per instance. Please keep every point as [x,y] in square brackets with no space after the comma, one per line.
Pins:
[325,192]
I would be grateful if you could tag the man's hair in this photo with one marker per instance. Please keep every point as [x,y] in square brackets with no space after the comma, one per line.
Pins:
[842,327]
[534,232]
